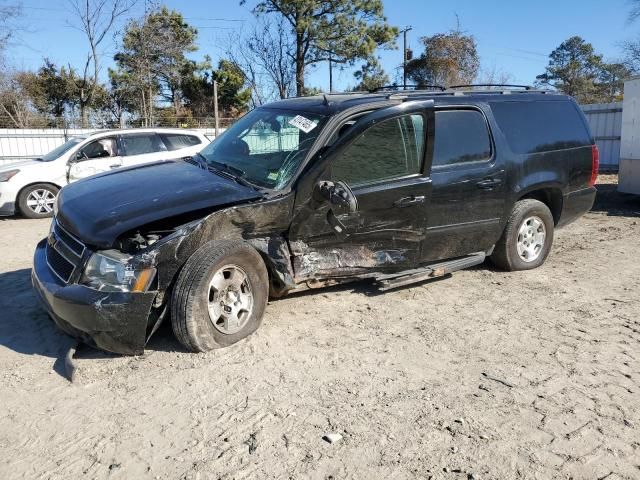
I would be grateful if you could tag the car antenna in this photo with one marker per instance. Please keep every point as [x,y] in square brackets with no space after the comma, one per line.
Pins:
[326,100]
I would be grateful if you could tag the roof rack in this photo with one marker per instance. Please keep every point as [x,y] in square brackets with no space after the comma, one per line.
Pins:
[507,85]
[408,87]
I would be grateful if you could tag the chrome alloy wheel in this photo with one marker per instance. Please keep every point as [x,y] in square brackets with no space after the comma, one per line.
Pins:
[41,201]
[531,238]
[230,299]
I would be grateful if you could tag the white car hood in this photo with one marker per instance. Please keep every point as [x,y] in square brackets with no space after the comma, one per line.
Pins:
[21,165]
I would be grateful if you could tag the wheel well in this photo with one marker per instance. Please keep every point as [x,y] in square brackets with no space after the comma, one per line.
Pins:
[35,183]
[551,197]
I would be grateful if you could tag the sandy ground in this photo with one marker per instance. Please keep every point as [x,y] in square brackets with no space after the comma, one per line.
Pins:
[486,375]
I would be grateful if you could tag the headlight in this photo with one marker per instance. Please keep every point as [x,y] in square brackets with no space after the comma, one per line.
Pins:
[113,271]
[8,175]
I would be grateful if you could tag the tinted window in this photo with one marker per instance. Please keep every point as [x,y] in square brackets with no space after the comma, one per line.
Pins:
[105,147]
[460,136]
[388,150]
[142,143]
[541,126]
[176,141]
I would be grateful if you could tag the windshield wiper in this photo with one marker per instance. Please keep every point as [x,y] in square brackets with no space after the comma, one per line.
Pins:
[228,171]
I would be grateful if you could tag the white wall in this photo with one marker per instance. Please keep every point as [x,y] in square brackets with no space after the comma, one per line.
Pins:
[629,178]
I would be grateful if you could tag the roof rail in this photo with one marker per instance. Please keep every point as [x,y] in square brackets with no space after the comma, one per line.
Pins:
[474,85]
[405,87]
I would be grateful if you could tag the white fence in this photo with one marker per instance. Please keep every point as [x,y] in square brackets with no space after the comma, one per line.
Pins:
[24,144]
[605,120]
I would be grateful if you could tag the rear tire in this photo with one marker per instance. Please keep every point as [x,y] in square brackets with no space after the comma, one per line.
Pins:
[527,237]
[220,296]
[36,201]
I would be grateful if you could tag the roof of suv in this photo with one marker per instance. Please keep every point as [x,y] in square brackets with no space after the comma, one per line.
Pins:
[337,102]
[130,131]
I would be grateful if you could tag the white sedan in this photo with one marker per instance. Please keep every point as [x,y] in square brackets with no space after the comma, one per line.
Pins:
[30,187]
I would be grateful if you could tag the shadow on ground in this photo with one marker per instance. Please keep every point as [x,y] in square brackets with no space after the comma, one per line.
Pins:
[614,203]
[24,327]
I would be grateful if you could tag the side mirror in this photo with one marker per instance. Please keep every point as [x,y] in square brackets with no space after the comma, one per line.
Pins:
[339,195]
[342,200]
[80,155]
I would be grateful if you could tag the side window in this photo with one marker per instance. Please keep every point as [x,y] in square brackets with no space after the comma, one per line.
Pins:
[460,136]
[139,144]
[391,149]
[176,141]
[541,126]
[104,147]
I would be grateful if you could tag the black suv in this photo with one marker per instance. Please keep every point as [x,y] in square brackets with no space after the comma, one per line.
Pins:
[396,187]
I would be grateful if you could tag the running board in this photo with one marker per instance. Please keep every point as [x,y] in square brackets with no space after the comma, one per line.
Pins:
[390,281]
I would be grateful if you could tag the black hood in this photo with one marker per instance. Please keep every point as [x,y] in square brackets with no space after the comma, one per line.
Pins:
[99,209]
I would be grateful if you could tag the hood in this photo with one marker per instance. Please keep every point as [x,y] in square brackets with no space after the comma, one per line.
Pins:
[101,208]
[20,165]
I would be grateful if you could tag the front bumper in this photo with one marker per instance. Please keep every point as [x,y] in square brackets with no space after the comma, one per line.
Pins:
[113,321]
[8,200]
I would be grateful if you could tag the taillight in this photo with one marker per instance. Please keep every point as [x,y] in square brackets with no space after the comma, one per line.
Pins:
[595,164]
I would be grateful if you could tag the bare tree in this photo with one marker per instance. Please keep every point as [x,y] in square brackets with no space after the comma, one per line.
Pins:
[634,13]
[96,19]
[494,76]
[268,61]
[8,14]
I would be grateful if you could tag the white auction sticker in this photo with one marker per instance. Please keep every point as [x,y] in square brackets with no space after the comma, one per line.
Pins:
[303,123]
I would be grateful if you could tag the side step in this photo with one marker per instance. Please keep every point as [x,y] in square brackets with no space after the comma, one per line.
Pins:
[390,281]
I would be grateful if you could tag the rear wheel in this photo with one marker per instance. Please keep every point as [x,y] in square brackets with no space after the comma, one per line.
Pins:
[220,296]
[527,237]
[36,201]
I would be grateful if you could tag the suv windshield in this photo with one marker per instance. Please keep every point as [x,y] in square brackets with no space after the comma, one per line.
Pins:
[266,146]
[56,152]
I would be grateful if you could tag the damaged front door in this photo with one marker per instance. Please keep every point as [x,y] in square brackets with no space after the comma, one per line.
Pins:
[96,157]
[381,161]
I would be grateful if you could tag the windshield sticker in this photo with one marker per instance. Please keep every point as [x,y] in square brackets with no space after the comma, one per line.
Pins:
[303,123]
[272,176]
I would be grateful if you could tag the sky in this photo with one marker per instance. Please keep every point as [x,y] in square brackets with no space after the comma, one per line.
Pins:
[513,37]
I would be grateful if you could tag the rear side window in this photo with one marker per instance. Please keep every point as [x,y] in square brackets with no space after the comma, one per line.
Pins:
[460,136]
[176,141]
[533,127]
[142,143]
[388,150]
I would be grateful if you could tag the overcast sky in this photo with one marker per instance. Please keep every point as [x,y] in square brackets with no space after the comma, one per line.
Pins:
[513,37]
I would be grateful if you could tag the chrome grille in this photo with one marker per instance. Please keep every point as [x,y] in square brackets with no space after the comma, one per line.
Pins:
[64,252]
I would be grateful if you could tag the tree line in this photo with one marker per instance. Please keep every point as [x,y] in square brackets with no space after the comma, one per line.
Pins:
[155,81]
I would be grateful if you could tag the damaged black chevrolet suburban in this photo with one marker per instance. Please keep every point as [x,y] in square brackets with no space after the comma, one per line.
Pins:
[396,187]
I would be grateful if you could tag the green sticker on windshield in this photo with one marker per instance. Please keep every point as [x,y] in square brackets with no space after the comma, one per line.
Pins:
[272,176]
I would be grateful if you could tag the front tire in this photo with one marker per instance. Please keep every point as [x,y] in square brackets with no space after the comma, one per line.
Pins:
[527,237]
[220,296]
[36,201]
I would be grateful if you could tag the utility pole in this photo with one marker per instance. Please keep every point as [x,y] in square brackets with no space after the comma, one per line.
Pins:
[404,56]
[215,106]
[330,74]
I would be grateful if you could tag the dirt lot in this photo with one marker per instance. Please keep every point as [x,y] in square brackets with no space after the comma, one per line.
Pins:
[483,375]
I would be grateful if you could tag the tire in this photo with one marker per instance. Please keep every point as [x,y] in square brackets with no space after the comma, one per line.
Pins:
[36,201]
[222,263]
[507,255]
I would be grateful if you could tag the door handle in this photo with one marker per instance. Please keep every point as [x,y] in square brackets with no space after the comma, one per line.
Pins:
[489,183]
[408,201]
[114,166]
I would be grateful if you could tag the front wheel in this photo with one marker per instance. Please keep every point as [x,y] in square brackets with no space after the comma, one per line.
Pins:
[37,201]
[527,237]
[220,296]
